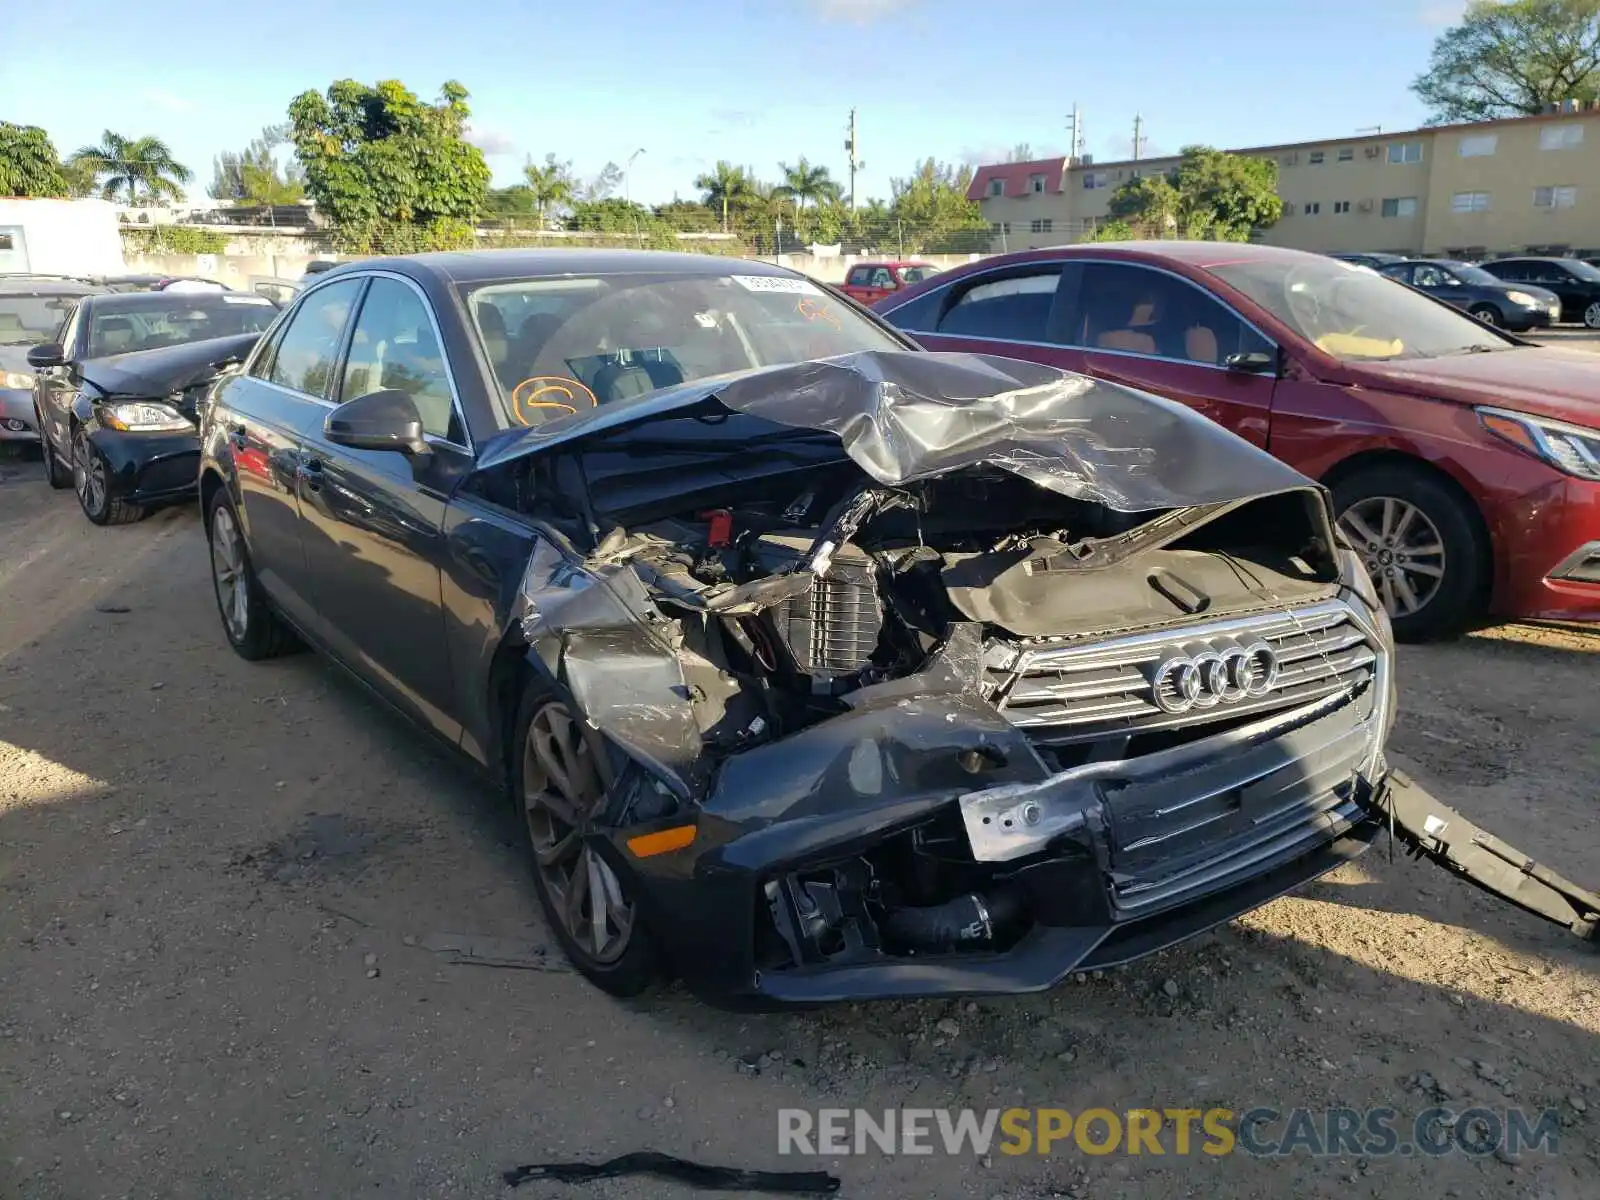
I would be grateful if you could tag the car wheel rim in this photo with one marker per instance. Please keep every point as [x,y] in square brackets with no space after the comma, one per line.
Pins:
[562,795]
[1488,317]
[1402,549]
[227,569]
[88,474]
[1591,316]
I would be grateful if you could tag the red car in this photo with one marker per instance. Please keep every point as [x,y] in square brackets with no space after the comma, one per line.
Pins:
[869,282]
[1464,462]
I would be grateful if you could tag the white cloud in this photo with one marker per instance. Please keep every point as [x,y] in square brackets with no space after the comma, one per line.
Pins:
[1437,14]
[492,142]
[166,100]
[858,12]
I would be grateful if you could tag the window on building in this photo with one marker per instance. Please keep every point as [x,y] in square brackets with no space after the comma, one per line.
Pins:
[1469,202]
[1560,137]
[1043,224]
[1315,158]
[1555,197]
[1477,145]
[1405,152]
[1313,208]
[1341,206]
[1346,153]
[1036,184]
[1000,227]
[997,187]
[1094,179]
[1400,206]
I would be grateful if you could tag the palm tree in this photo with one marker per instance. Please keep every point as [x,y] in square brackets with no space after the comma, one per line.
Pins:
[723,186]
[133,166]
[804,182]
[551,185]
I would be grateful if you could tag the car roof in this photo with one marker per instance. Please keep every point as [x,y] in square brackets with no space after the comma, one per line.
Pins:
[1195,254]
[134,301]
[483,266]
[40,285]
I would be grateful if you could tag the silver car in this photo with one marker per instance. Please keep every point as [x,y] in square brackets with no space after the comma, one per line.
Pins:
[32,309]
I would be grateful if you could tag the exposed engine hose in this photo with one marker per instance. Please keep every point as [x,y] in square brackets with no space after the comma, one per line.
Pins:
[969,922]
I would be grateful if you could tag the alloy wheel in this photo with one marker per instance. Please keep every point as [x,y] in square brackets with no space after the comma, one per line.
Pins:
[562,796]
[1488,316]
[228,573]
[88,474]
[1591,315]
[1402,549]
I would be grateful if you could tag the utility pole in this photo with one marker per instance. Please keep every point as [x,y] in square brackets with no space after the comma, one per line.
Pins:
[855,164]
[1138,140]
[1074,136]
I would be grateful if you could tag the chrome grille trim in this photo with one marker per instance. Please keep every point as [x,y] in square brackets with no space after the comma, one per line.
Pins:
[1082,691]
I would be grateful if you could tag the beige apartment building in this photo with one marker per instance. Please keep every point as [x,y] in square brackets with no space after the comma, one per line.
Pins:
[1522,185]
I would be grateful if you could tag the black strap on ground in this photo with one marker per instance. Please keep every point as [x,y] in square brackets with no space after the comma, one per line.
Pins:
[679,1170]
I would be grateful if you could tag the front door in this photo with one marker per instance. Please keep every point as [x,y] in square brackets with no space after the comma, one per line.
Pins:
[372,520]
[1154,330]
[1442,285]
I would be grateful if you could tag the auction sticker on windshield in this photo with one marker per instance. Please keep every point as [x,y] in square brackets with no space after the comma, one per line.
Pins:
[777,283]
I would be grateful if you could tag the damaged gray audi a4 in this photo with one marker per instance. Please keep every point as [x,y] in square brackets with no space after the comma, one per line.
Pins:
[817,667]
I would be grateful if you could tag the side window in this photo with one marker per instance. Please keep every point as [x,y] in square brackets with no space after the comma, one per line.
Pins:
[394,348]
[1014,309]
[1511,272]
[1431,277]
[1136,310]
[68,329]
[881,278]
[858,276]
[308,348]
[261,365]
[919,315]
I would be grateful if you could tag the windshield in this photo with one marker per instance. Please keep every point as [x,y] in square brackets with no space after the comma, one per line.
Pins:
[120,328]
[28,320]
[1357,315]
[561,345]
[1581,269]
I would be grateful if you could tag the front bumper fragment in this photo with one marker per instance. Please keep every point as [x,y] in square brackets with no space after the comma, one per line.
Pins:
[144,468]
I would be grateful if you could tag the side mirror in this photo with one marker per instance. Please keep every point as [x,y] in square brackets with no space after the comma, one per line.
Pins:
[46,354]
[386,420]
[1256,362]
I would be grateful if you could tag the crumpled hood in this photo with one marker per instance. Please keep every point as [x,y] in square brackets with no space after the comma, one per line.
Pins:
[169,369]
[906,415]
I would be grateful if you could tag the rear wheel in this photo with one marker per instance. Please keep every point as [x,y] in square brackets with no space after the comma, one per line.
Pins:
[587,902]
[1591,315]
[1422,546]
[92,481]
[252,628]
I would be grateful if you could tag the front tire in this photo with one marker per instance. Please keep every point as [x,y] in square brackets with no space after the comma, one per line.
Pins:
[92,481]
[1488,314]
[251,627]
[560,792]
[1422,545]
[1591,315]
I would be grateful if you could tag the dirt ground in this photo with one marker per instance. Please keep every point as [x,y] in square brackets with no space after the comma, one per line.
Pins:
[221,885]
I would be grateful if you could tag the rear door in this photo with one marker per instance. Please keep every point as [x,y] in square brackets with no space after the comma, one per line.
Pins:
[1149,328]
[856,283]
[266,415]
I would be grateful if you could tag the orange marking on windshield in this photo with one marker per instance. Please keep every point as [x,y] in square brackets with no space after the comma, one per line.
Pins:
[813,309]
[549,391]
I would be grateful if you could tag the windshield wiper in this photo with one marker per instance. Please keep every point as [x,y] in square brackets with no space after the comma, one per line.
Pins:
[1475,348]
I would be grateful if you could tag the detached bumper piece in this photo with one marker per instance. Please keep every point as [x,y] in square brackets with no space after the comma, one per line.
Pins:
[1432,831]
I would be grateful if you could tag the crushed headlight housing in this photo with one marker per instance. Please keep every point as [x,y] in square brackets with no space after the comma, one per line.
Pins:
[144,417]
[20,380]
[1569,448]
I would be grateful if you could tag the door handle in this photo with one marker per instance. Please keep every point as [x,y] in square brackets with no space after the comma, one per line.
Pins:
[311,473]
[239,436]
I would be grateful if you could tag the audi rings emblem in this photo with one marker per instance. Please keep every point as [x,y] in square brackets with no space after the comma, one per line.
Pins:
[1208,675]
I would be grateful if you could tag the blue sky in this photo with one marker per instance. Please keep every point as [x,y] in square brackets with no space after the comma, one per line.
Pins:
[753,81]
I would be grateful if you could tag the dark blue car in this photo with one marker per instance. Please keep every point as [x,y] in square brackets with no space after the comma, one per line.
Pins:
[1517,307]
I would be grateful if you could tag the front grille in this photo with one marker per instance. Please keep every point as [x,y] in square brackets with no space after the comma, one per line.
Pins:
[1070,692]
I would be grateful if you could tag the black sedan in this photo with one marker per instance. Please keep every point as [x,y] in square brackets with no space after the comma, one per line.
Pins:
[1576,282]
[815,666]
[116,395]
[1517,307]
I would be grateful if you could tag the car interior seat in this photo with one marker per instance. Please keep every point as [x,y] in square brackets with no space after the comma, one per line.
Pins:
[530,340]
[621,381]
[1135,335]
[113,335]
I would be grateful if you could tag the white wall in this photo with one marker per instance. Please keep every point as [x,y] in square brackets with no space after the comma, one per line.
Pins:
[61,237]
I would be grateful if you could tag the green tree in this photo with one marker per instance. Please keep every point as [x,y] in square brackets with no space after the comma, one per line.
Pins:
[134,169]
[1021,152]
[81,179]
[515,201]
[552,185]
[806,183]
[932,212]
[253,176]
[626,222]
[28,163]
[725,187]
[1210,194]
[1508,59]
[603,186]
[390,170]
